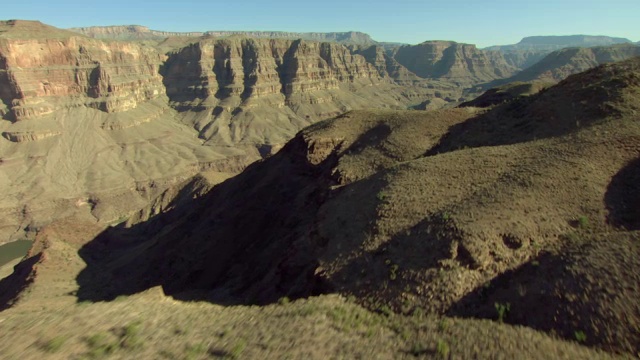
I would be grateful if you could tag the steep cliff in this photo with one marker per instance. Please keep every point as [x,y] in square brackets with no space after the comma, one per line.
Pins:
[87,129]
[48,74]
[262,91]
[129,32]
[462,63]
[137,32]
[101,126]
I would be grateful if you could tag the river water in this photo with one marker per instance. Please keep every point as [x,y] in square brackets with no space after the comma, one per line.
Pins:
[14,250]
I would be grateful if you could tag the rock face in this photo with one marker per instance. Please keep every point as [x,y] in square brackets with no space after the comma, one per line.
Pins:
[129,32]
[87,129]
[562,63]
[532,49]
[239,90]
[137,32]
[462,63]
[109,124]
[44,74]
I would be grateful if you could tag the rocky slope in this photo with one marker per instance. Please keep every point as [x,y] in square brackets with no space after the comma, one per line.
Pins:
[461,63]
[68,101]
[87,129]
[87,120]
[532,49]
[531,204]
[562,63]
[137,32]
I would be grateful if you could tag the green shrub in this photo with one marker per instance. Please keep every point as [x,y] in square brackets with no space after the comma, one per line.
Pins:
[54,344]
[503,310]
[442,349]
[99,345]
[583,222]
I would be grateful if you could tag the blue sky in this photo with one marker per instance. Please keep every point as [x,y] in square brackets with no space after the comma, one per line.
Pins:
[481,22]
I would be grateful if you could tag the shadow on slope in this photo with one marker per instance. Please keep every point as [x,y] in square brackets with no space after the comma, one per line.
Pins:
[578,101]
[623,197]
[250,240]
[578,293]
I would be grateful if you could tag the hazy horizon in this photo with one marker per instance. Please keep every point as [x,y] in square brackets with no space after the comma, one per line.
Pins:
[487,23]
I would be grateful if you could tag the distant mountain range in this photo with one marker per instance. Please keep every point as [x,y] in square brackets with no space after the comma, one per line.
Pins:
[532,49]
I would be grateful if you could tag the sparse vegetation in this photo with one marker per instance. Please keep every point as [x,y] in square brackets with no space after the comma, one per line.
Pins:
[393,271]
[130,337]
[443,324]
[502,310]
[442,349]
[194,351]
[583,222]
[55,344]
[126,338]
[100,345]
[237,349]
[580,336]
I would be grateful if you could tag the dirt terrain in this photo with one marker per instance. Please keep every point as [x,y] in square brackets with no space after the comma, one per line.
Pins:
[500,232]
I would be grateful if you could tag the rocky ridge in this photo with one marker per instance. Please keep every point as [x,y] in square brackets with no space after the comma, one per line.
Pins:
[137,32]
[532,204]
[148,112]
[460,63]
[532,49]
[561,63]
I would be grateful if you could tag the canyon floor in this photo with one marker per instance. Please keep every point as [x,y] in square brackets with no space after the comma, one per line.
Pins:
[508,231]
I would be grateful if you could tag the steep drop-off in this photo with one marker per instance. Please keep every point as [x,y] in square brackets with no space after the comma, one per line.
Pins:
[137,32]
[261,92]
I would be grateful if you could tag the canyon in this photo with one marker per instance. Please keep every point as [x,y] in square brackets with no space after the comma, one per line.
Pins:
[100,127]
[231,194]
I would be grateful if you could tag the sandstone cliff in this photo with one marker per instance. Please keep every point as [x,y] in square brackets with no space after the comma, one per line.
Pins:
[137,32]
[462,63]
[87,129]
[107,124]
[129,32]
[262,91]
[45,75]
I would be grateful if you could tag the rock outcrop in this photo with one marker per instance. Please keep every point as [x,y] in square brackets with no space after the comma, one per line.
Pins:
[50,74]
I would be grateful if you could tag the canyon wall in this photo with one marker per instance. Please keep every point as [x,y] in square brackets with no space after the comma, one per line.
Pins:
[137,32]
[462,63]
[100,127]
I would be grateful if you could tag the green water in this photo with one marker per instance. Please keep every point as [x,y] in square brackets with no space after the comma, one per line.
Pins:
[14,250]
